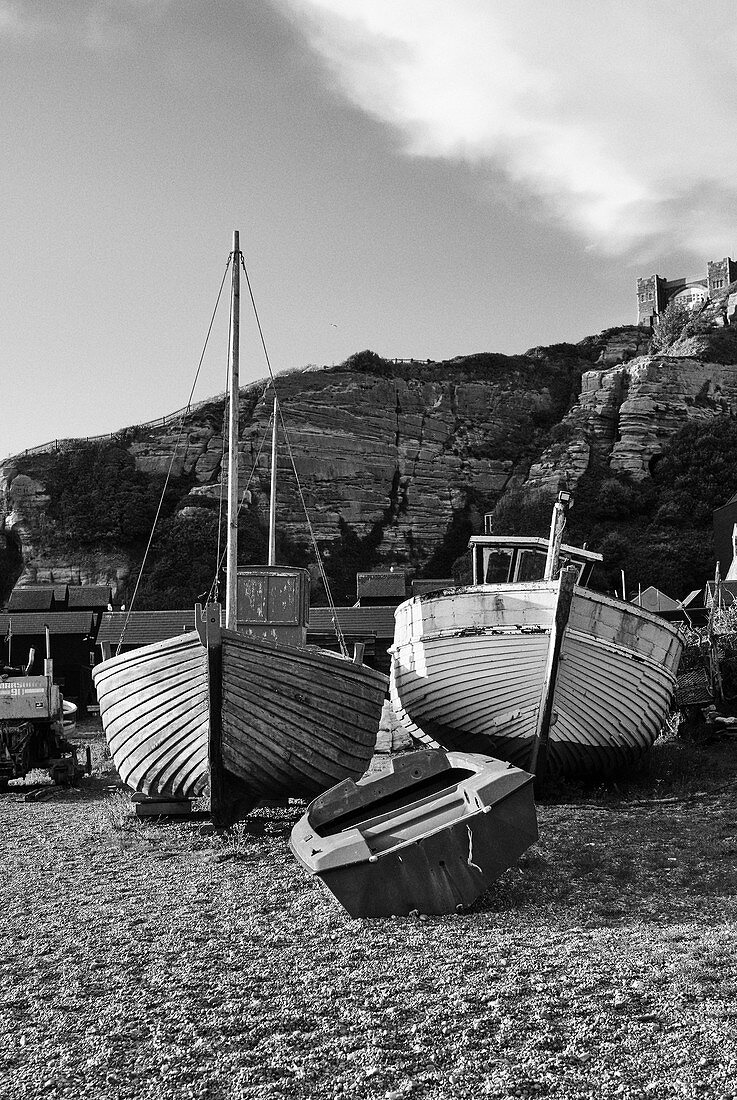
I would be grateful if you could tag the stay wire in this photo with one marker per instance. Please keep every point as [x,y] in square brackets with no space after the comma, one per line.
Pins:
[323,575]
[182,419]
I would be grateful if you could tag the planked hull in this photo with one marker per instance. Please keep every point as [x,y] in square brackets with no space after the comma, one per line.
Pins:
[294,721]
[468,672]
[325,708]
[154,706]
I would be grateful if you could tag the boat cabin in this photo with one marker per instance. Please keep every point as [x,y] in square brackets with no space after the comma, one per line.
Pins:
[512,559]
[274,603]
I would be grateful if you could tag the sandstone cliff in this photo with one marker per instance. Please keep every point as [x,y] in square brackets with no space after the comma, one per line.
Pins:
[394,453]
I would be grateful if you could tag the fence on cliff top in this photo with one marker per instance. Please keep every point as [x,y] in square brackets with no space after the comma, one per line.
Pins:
[160,422]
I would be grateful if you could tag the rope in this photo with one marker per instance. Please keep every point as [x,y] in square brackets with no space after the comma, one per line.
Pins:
[321,567]
[185,410]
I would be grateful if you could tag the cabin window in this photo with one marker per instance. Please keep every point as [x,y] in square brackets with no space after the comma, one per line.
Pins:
[530,565]
[497,566]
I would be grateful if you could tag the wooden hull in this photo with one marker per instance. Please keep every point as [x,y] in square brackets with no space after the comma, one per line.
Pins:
[431,834]
[293,721]
[296,720]
[154,706]
[468,672]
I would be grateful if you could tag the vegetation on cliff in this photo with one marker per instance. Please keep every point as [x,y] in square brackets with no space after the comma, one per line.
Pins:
[659,530]
[463,437]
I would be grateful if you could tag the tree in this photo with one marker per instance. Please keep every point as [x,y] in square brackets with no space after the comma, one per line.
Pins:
[670,324]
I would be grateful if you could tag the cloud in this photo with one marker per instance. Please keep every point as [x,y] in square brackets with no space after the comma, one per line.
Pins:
[616,118]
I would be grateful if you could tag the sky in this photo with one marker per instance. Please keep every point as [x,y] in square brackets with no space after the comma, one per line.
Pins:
[424,178]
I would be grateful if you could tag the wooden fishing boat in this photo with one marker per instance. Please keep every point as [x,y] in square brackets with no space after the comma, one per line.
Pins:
[543,672]
[430,835]
[249,709]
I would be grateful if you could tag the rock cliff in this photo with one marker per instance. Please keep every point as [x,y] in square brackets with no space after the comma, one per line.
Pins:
[395,453]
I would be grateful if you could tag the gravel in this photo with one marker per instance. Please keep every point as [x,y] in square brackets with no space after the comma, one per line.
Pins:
[160,961]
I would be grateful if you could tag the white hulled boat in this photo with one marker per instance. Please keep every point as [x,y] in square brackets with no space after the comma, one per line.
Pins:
[529,665]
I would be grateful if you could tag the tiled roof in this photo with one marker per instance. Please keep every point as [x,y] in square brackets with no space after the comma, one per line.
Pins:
[356,621]
[144,626]
[89,595]
[153,626]
[30,599]
[371,585]
[58,622]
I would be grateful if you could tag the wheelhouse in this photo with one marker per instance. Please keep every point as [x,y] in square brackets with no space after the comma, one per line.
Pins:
[504,559]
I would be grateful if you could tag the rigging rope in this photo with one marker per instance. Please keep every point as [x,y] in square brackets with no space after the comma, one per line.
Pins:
[182,418]
[334,614]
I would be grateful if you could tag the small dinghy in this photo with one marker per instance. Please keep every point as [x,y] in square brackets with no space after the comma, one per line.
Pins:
[429,835]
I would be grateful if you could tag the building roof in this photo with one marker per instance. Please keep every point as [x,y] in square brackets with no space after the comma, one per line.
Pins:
[374,585]
[144,626]
[89,595]
[58,622]
[727,593]
[356,621]
[153,626]
[31,599]
[60,593]
[652,599]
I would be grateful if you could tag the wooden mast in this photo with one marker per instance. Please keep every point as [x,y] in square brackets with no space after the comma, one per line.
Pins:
[231,569]
[272,498]
[222,808]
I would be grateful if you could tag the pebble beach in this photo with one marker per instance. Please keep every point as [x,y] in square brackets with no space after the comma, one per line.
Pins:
[151,961]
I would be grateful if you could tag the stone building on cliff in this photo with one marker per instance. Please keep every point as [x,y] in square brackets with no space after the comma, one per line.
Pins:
[655,293]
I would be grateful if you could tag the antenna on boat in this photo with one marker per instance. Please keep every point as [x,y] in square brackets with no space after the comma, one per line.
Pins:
[231,567]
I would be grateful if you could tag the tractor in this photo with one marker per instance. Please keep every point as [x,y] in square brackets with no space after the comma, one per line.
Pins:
[32,726]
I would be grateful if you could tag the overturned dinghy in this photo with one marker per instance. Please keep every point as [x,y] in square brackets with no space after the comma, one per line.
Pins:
[430,835]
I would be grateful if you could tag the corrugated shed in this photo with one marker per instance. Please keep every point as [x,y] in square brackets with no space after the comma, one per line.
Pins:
[31,599]
[144,626]
[58,622]
[376,585]
[96,596]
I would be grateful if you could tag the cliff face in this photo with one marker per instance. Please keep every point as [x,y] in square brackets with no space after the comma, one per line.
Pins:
[624,416]
[397,452]
[393,451]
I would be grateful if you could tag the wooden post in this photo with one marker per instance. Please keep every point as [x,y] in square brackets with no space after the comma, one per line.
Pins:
[272,497]
[555,539]
[231,567]
[539,753]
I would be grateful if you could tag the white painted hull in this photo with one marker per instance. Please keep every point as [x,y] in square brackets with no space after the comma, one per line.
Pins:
[468,672]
